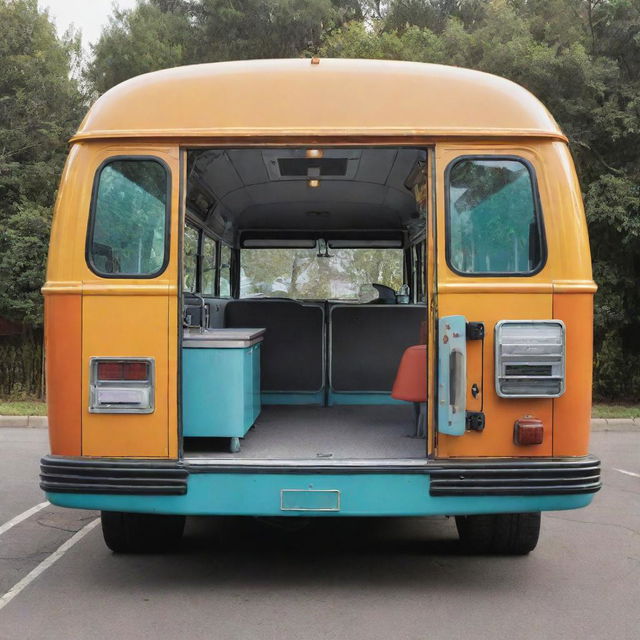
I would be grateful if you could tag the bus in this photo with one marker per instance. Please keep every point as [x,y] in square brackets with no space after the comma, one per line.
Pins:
[319,287]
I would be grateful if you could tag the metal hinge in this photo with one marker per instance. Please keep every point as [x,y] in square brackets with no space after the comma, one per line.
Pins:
[475,330]
[474,421]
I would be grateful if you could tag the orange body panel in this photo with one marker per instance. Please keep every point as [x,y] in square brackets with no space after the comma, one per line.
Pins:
[131,326]
[501,413]
[115,317]
[63,346]
[572,411]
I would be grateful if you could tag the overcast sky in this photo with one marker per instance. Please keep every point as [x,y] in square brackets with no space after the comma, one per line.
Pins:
[87,15]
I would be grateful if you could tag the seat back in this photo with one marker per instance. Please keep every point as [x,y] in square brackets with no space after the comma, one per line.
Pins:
[366,344]
[293,347]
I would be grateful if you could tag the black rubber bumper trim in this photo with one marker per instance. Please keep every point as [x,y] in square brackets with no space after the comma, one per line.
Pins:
[503,478]
[479,477]
[85,475]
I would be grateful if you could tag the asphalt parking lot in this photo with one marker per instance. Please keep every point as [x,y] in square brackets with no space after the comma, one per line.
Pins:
[341,578]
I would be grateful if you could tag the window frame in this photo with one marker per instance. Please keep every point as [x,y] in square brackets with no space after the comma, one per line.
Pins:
[92,219]
[198,276]
[537,206]
[232,261]
[205,236]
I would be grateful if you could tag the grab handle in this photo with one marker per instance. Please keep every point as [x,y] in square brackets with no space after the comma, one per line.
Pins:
[452,375]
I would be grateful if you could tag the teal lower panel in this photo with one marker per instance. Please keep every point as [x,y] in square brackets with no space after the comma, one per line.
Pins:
[301,397]
[260,494]
[363,397]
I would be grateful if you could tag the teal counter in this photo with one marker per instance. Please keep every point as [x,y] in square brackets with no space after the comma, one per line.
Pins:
[220,382]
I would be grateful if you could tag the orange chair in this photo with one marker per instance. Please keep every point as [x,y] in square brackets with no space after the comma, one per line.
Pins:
[411,382]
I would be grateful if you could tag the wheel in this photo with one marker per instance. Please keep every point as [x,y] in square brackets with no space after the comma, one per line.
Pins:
[502,533]
[141,532]
[234,445]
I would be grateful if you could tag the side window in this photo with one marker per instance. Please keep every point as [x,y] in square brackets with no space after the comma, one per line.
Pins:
[493,222]
[190,263]
[208,266]
[225,271]
[128,225]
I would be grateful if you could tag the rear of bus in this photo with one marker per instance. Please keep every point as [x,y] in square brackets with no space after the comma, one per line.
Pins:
[347,302]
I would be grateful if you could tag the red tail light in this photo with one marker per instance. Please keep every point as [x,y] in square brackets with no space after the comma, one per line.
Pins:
[135,371]
[115,370]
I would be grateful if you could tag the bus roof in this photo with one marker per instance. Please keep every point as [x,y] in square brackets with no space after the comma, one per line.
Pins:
[319,97]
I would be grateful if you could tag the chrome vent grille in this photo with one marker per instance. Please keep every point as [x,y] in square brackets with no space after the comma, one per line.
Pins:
[530,358]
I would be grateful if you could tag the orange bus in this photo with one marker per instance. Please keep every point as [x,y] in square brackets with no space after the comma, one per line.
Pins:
[319,288]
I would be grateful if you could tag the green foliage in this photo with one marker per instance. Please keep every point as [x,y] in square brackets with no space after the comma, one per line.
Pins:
[40,106]
[21,365]
[23,408]
[303,273]
[166,33]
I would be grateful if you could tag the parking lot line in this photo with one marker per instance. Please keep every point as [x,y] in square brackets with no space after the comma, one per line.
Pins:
[628,473]
[46,563]
[23,516]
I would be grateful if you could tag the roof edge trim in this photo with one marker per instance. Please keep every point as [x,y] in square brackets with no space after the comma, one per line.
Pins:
[248,132]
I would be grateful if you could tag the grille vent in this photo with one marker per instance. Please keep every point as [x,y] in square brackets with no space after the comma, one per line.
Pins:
[315,167]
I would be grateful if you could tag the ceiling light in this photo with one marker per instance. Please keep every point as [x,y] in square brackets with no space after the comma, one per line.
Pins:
[313,183]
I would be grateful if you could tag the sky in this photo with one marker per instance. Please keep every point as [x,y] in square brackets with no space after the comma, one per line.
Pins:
[87,15]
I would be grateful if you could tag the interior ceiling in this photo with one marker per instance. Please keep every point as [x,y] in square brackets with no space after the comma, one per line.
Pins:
[268,189]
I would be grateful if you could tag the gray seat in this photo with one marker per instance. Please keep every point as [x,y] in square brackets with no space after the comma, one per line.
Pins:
[293,348]
[366,343]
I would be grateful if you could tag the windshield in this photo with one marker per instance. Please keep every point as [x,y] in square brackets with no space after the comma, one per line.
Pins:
[346,274]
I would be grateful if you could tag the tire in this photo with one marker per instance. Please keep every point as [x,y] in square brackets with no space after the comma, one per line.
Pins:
[512,534]
[141,532]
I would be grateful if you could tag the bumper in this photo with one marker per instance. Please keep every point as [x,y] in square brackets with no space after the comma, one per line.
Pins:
[350,488]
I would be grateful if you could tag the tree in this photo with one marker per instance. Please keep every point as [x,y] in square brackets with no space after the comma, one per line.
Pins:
[40,107]
[166,33]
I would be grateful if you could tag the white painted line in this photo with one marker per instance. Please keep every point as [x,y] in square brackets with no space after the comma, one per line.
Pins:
[46,563]
[23,516]
[628,473]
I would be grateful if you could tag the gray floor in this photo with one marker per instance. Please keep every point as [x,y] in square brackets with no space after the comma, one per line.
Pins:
[324,432]
[332,579]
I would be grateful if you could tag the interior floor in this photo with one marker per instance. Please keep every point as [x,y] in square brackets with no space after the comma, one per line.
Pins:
[307,432]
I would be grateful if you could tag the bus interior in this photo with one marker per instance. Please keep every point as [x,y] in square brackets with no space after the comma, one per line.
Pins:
[324,249]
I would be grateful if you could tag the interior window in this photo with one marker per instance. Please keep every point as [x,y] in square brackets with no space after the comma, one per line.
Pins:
[128,226]
[225,271]
[208,265]
[493,226]
[190,259]
[320,274]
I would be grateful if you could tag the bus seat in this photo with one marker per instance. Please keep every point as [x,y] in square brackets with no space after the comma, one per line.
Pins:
[411,379]
[411,384]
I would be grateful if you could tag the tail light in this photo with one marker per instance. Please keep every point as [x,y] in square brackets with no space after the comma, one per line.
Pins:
[530,358]
[121,385]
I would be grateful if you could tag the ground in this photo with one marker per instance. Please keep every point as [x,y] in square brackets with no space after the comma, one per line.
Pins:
[344,578]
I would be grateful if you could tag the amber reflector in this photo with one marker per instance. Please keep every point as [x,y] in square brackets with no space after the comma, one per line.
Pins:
[528,431]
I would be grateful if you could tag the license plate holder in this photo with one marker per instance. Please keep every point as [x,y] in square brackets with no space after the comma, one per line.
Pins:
[310,500]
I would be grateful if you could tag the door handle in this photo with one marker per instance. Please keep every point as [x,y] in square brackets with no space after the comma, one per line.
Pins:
[452,375]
